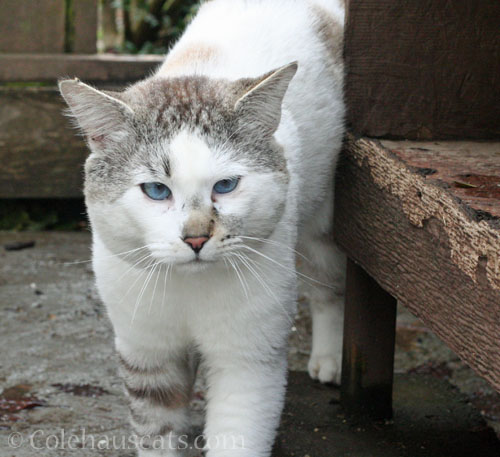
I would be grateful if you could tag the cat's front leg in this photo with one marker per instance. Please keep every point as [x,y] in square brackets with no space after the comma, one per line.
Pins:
[159,391]
[245,400]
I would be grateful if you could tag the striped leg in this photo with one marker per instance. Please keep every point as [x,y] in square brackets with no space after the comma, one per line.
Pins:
[159,394]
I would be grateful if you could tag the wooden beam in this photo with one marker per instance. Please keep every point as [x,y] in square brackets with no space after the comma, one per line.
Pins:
[97,68]
[41,155]
[84,27]
[32,27]
[471,170]
[44,26]
[368,350]
[426,69]
[434,252]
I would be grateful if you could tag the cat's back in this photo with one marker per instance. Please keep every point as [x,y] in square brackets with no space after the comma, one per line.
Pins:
[235,39]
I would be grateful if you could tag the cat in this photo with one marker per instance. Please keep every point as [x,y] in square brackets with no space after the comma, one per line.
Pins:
[206,182]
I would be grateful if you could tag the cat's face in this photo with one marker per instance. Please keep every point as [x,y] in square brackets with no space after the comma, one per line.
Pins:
[206,194]
[186,168]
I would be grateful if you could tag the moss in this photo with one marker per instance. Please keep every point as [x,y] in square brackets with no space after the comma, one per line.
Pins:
[23,84]
[42,214]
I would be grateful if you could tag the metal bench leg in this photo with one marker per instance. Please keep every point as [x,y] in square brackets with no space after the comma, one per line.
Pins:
[368,352]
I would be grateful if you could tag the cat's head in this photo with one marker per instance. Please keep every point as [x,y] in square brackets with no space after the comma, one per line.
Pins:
[184,166]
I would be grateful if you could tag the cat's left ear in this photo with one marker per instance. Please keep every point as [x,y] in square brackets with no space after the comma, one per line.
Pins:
[102,117]
[260,106]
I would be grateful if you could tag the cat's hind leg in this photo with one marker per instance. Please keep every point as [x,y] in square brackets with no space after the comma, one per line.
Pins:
[326,268]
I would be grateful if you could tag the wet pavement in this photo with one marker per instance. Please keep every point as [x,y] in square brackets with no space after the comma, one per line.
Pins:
[60,394]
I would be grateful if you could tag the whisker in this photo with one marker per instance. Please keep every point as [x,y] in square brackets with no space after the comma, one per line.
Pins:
[145,269]
[276,243]
[298,273]
[141,274]
[106,257]
[131,267]
[246,261]
[239,277]
[243,277]
[154,290]
[143,290]
[164,289]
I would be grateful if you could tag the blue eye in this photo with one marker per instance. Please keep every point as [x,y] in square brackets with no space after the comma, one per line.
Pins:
[156,190]
[225,186]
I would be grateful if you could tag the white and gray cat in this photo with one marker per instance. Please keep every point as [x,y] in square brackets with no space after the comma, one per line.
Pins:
[203,182]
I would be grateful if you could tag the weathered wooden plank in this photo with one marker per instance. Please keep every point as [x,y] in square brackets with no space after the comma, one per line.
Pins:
[40,155]
[50,67]
[368,349]
[84,27]
[426,69]
[426,247]
[29,26]
[470,169]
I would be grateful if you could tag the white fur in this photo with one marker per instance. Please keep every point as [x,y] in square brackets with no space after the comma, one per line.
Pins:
[239,325]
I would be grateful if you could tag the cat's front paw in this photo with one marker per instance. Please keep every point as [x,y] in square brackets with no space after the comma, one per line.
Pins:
[326,368]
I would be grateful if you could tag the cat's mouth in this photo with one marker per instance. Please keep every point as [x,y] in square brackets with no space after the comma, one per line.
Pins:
[194,265]
[198,259]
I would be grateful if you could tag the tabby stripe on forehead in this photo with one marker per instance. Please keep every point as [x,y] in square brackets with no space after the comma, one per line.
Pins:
[166,166]
[166,104]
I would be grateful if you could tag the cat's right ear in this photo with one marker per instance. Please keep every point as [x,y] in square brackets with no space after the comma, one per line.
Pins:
[260,104]
[101,117]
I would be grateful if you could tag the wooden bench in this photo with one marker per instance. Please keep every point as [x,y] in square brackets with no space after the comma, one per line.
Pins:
[419,220]
[41,156]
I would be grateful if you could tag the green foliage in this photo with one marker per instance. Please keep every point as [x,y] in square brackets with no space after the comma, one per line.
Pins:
[20,215]
[24,84]
[151,26]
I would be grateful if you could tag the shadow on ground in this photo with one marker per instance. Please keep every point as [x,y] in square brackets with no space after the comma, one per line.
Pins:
[431,419]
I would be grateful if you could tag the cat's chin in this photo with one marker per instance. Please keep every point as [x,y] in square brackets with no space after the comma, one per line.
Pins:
[194,266]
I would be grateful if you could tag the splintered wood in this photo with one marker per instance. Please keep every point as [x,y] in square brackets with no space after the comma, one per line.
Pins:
[423,219]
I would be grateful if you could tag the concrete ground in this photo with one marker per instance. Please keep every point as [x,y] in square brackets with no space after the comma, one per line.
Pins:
[60,395]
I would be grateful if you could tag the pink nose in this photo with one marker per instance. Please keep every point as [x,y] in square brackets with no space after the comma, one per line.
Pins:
[196,243]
